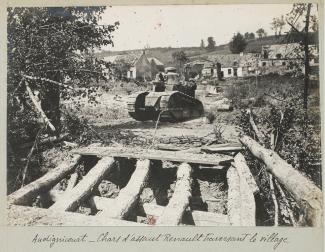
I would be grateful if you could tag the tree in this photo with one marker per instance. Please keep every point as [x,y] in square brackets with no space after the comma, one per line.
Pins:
[180,58]
[261,33]
[211,44]
[120,68]
[277,25]
[249,35]
[238,43]
[299,10]
[202,45]
[54,44]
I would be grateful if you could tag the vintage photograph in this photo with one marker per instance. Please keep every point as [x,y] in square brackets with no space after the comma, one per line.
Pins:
[164,115]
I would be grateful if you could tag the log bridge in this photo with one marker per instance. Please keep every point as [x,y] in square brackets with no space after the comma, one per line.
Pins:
[116,211]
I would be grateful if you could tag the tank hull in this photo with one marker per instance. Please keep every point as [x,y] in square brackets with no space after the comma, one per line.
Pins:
[170,106]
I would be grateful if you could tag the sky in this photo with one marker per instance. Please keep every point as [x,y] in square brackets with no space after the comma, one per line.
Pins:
[186,25]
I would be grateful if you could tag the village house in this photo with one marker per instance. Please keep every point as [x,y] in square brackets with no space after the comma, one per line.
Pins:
[282,58]
[201,68]
[236,65]
[140,67]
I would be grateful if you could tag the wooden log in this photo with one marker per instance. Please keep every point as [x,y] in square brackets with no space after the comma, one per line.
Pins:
[245,173]
[234,200]
[140,153]
[200,218]
[31,216]
[71,200]
[72,182]
[173,213]
[304,191]
[129,195]
[25,195]
[247,204]
[54,194]
[38,107]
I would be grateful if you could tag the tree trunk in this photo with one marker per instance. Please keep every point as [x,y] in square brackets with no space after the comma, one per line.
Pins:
[304,191]
[306,58]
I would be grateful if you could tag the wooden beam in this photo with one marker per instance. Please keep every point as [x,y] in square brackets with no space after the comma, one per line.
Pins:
[151,154]
[129,195]
[26,194]
[304,191]
[241,201]
[71,200]
[31,216]
[245,173]
[173,213]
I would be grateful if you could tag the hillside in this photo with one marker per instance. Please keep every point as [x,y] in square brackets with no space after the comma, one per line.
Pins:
[164,54]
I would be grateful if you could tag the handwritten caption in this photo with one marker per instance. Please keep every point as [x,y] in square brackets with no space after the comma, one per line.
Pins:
[273,239]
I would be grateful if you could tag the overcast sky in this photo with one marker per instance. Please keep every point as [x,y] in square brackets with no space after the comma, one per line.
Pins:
[178,26]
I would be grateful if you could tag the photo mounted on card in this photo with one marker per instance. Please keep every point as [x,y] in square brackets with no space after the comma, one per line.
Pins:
[156,115]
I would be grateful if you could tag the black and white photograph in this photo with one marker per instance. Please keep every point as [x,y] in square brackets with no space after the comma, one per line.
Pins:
[164,115]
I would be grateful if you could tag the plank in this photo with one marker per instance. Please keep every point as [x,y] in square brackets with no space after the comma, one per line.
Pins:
[151,154]
[71,200]
[221,149]
[31,216]
[26,194]
[245,173]
[129,195]
[304,191]
[173,213]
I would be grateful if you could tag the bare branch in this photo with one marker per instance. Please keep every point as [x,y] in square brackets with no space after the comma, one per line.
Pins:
[47,80]
[38,107]
[24,172]
[293,27]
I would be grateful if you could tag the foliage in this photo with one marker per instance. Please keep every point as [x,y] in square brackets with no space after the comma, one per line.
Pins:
[277,25]
[249,35]
[211,44]
[53,43]
[57,44]
[120,69]
[261,33]
[238,43]
[180,58]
